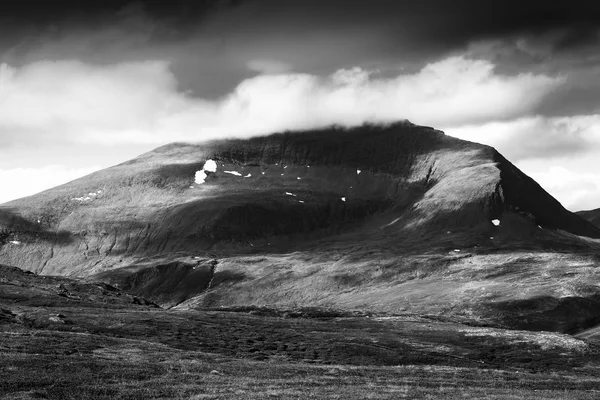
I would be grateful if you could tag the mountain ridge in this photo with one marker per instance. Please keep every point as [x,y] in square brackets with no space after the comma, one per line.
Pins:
[425,178]
[401,175]
[385,218]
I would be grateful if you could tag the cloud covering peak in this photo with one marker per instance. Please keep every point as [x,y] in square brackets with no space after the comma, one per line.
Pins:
[140,102]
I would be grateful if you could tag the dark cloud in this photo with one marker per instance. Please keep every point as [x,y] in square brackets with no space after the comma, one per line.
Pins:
[459,20]
[317,35]
[580,95]
[68,11]
[212,45]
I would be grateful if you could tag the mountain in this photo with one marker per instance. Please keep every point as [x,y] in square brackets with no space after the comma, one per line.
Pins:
[386,218]
[591,215]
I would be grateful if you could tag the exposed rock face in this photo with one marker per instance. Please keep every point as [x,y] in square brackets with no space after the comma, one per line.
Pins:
[385,218]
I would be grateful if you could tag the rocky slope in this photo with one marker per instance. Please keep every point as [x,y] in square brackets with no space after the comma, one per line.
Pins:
[386,218]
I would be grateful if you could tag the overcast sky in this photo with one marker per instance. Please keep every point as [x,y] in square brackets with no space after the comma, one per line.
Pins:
[88,84]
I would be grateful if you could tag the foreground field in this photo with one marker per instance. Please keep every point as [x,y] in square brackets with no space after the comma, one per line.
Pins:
[66,339]
[152,354]
[126,369]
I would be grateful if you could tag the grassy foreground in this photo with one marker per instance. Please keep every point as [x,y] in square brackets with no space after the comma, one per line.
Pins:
[38,365]
[333,358]
[66,339]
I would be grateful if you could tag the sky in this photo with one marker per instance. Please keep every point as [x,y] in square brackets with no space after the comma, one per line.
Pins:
[88,84]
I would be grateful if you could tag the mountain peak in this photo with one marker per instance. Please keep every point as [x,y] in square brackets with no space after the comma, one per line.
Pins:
[286,191]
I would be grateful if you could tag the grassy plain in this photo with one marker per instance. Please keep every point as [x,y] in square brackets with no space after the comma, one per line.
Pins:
[67,339]
[75,352]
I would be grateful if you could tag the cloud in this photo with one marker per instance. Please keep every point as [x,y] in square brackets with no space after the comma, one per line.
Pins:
[21,182]
[71,103]
[268,66]
[140,102]
[213,45]
[86,35]
[536,137]
[576,187]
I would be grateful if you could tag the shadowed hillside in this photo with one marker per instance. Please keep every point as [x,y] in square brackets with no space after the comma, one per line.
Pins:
[383,218]
[592,215]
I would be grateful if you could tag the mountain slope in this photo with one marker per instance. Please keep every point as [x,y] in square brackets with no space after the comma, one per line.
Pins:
[591,215]
[414,182]
[386,218]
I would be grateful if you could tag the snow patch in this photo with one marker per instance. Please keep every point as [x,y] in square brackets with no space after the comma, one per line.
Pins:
[233,173]
[300,201]
[491,237]
[358,171]
[15,242]
[200,177]
[496,222]
[298,178]
[456,250]
[343,199]
[248,176]
[262,173]
[290,194]
[210,166]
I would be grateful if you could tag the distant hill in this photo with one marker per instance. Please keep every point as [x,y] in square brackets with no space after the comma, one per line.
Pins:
[591,215]
[381,217]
